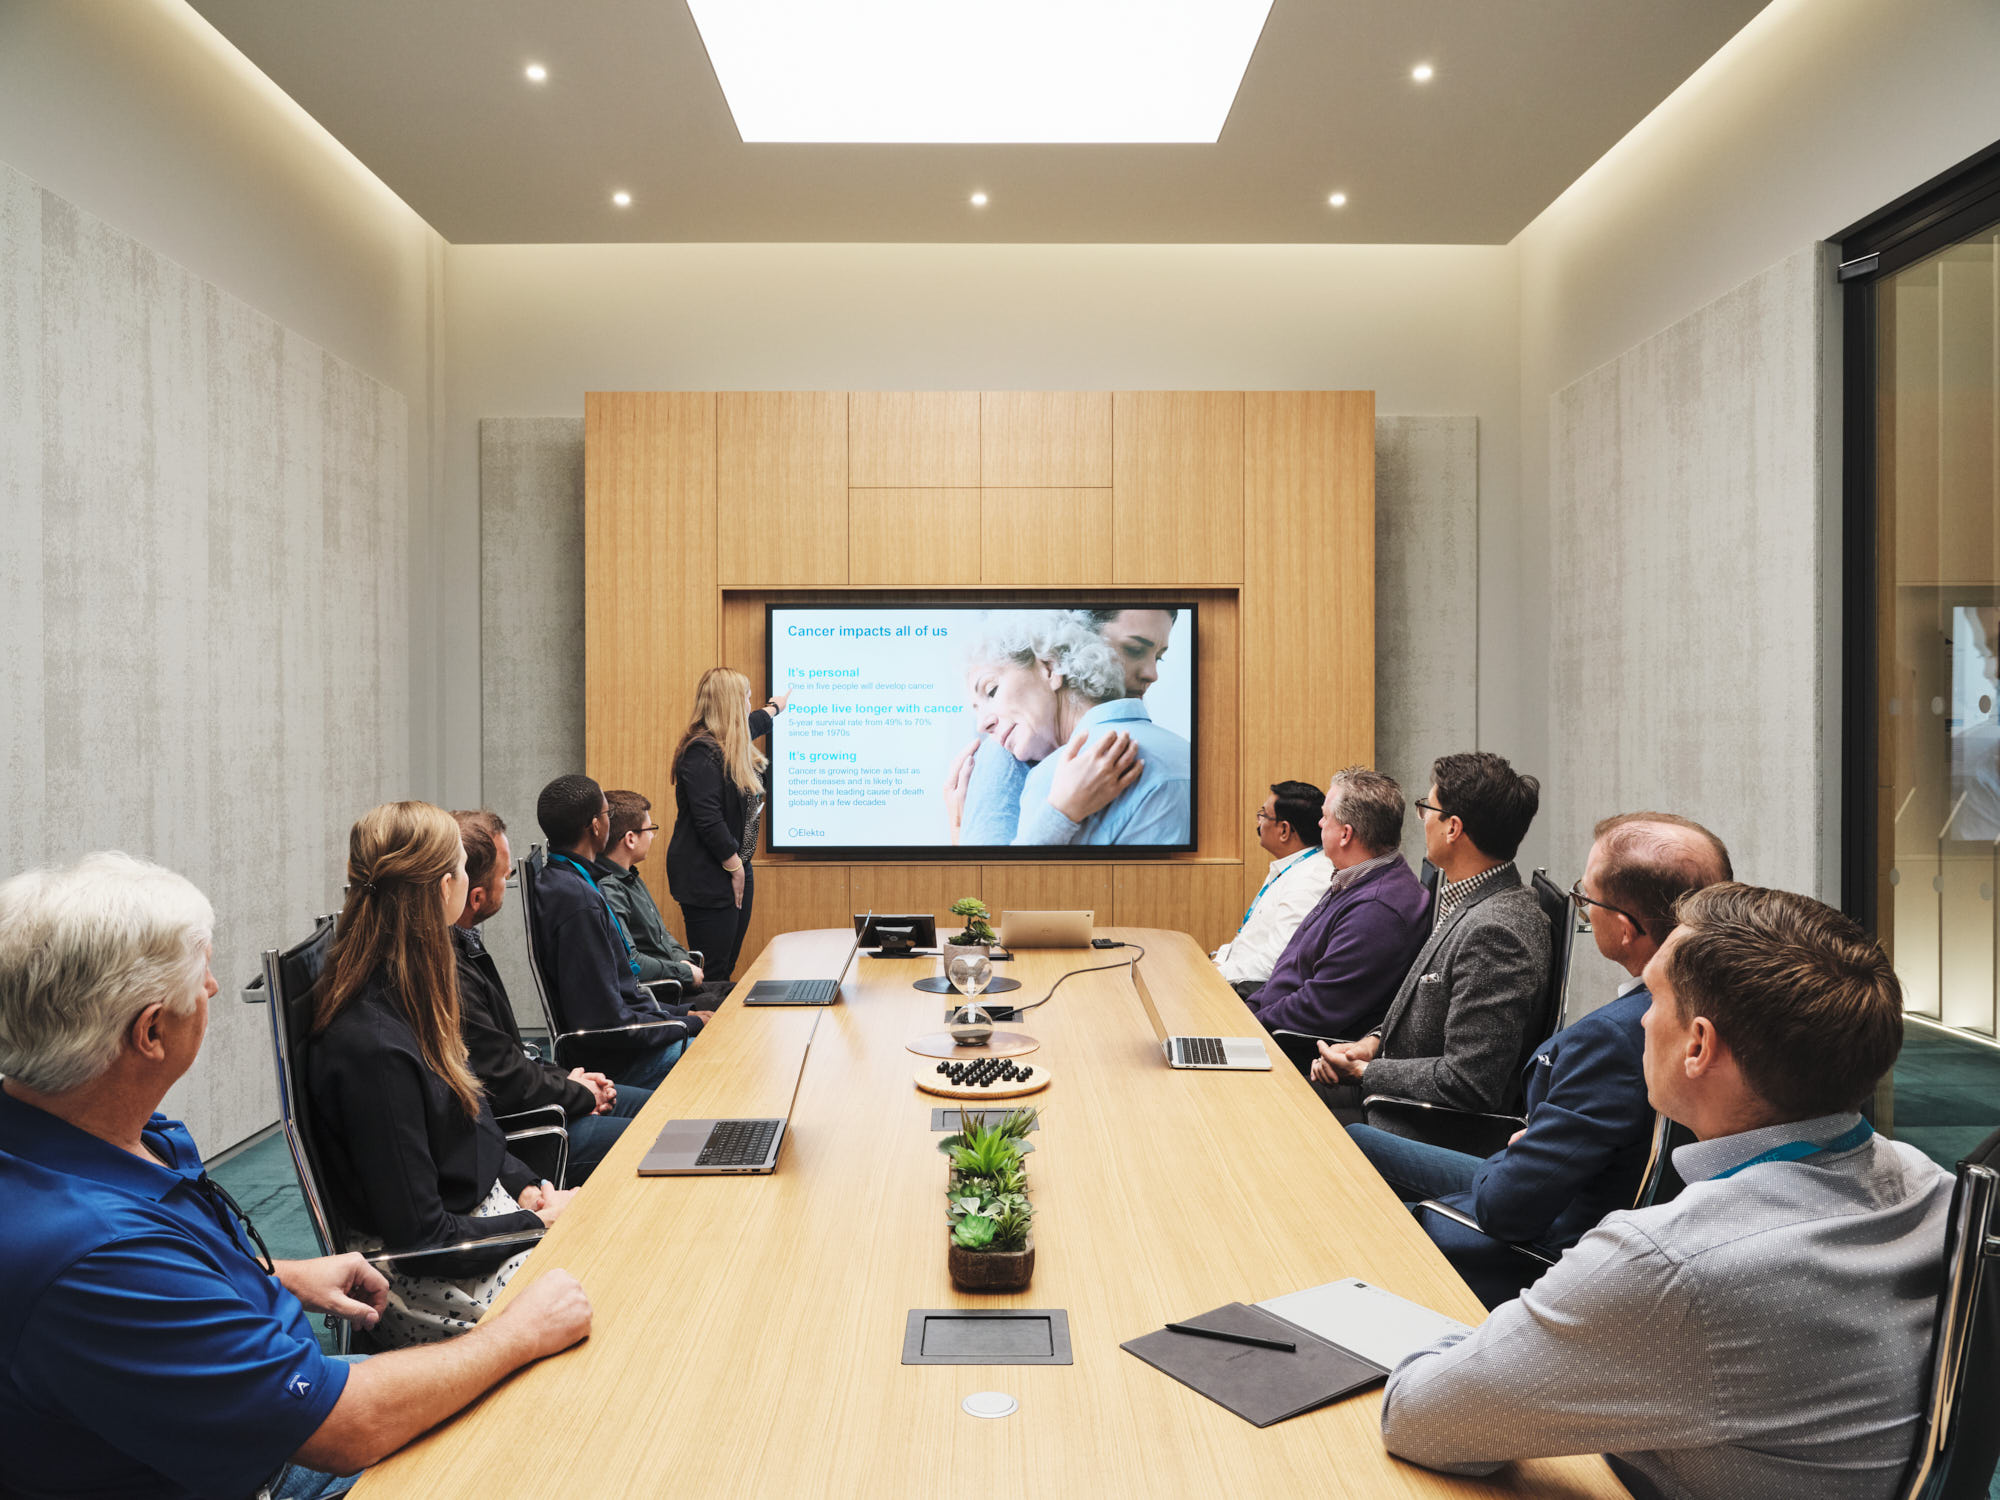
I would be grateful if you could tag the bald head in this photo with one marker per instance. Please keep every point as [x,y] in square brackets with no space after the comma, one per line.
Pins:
[1644,862]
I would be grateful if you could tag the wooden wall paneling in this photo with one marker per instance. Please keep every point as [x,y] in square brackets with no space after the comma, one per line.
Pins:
[913,537]
[793,896]
[1223,804]
[1309,477]
[1200,899]
[1045,536]
[908,888]
[781,486]
[1045,439]
[1177,486]
[1076,887]
[650,616]
[912,439]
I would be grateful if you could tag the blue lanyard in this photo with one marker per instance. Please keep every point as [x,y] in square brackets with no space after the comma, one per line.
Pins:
[616,921]
[1267,884]
[1847,1140]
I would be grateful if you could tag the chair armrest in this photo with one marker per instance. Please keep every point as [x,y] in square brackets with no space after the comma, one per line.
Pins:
[665,991]
[253,992]
[636,1026]
[695,957]
[412,1260]
[1467,1221]
[545,1132]
[1465,1130]
[541,1114]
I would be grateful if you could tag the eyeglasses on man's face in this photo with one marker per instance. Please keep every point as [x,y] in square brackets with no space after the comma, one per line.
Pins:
[1583,903]
[1432,808]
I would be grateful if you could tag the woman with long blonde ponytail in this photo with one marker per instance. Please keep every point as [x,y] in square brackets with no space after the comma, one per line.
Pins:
[412,1155]
[718,810]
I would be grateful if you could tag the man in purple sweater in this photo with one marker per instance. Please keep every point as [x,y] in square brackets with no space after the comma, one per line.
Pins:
[1340,971]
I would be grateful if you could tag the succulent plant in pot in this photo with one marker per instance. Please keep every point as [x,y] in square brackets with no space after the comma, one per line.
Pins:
[991,1247]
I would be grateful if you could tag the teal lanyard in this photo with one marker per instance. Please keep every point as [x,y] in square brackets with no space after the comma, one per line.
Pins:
[616,921]
[1847,1140]
[1268,879]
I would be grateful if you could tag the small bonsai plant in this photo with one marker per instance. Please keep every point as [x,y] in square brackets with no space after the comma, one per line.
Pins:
[986,1203]
[978,929]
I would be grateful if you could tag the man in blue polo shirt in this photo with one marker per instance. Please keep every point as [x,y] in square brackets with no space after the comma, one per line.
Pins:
[148,1346]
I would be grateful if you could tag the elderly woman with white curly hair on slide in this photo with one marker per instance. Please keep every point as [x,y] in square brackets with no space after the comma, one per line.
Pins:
[1052,692]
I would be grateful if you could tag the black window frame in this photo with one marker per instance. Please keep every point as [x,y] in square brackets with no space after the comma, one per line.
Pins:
[1953,206]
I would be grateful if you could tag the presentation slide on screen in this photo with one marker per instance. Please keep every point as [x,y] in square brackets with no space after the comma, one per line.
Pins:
[946,725]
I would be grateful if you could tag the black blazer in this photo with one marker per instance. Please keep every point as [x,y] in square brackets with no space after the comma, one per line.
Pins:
[709,810]
[514,1081]
[403,1159]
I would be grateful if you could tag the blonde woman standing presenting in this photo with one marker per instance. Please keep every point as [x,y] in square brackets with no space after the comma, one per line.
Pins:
[718,809]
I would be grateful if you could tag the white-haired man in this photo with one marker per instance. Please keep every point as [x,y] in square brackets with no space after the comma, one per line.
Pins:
[149,1347]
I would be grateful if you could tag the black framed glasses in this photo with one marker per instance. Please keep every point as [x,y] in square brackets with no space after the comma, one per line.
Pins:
[1583,903]
[1429,807]
[218,1197]
[649,828]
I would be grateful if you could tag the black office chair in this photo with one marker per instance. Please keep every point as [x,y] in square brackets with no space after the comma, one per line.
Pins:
[1477,1132]
[289,977]
[1954,1459]
[1659,1183]
[532,869]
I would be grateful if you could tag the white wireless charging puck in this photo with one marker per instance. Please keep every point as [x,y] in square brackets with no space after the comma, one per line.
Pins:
[990,1404]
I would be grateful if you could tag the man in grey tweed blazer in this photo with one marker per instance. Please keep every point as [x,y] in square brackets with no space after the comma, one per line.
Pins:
[1456,1029]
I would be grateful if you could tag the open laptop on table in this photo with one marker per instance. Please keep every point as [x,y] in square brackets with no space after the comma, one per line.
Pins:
[689,1148]
[805,991]
[1240,1053]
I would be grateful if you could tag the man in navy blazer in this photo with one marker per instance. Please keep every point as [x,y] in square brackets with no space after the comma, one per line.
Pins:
[1589,1127]
[1341,968]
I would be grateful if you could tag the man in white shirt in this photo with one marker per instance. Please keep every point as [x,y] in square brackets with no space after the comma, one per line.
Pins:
[1766,1333]
[1288,829]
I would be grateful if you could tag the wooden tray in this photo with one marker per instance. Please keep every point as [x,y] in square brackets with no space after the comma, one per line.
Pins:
[933,1082]
[1002,1044]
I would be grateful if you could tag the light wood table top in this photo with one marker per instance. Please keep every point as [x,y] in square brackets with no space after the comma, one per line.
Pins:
[749,1330]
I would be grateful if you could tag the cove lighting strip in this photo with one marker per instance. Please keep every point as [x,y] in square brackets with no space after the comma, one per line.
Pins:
[964,71]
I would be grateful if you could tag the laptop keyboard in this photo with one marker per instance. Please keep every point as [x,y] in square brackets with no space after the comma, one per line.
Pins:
[812,991]
[1201,1051]
[738,1143]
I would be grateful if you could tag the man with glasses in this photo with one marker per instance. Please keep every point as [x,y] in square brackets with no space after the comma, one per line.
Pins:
[515,1079]
[1589,1126]
[617,869]
[1454,1032]
[150,1348]
[1288,830]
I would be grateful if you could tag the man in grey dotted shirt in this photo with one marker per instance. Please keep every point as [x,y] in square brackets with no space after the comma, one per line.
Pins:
[1765,1334]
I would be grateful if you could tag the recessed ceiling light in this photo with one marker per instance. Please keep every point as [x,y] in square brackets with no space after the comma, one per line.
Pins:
[537,73]
[1018,71]
[1422,72]
[622,198]
[979,200]
[1338,200]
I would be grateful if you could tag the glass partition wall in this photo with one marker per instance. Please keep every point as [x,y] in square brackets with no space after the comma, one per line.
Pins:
[1926,543]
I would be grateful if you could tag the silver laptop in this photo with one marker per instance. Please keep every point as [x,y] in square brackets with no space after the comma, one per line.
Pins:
[804,991]
[1241,1053]
[706,1148]
[1046,929]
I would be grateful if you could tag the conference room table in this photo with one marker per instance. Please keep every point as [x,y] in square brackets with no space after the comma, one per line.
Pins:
[748,1330]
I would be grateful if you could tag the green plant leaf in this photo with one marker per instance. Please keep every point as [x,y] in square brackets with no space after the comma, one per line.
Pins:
[974,1232]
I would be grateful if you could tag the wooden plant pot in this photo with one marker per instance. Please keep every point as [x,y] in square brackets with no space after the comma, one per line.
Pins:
[992,1270]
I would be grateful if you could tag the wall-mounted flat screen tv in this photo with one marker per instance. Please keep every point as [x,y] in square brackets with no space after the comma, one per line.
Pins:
[987,729]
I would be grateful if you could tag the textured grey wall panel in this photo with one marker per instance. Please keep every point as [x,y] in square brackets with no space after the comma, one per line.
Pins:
[21,757]
[1426,599]
[1686,669]
[207,652]
[531,637]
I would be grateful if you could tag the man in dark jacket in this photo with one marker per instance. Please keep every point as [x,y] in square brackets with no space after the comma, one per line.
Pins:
[1342,965]
[516,1080]
[1456,1029]
[617,871]
[586,958]
[1589,1124]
